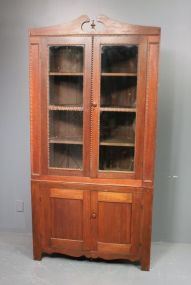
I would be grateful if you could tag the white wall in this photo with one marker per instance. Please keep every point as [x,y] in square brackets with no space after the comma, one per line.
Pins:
[172,214]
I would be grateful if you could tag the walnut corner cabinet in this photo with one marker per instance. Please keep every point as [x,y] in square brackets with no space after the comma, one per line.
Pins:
[93,96]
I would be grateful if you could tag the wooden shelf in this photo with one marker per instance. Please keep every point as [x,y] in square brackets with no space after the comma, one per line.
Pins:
[116,142]
[69,140]
[65,108]
[66,73]
[119,74]
[115,109]
[116,170]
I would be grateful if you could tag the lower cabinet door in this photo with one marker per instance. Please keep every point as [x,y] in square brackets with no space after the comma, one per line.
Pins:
[92,223]
[116,220]
[67,213]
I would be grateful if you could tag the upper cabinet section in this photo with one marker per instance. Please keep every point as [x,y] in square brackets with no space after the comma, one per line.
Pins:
[84,25]
[91,90]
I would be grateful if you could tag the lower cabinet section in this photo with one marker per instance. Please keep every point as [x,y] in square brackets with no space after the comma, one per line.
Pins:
[76,222]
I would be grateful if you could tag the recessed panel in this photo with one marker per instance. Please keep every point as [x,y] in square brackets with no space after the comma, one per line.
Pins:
[114,225]
[67,218]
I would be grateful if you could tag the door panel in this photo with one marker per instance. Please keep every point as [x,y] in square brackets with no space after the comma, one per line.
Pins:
[117,220]
[66,210]
[114,222]
[65,220]
[118,107]
[71,212]
[65,89]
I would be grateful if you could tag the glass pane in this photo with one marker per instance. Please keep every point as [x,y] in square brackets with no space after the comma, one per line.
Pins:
[65,138]
[66,90]
[66,125]
[118,91]
[116,158]
[66,107]
[118,107]
[66,59]
[117,127]
[122,58]
[66,156]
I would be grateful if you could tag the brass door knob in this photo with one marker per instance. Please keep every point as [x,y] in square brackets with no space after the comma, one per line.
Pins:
[93,215]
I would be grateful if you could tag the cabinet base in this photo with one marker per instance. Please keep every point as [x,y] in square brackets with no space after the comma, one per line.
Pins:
[93,256]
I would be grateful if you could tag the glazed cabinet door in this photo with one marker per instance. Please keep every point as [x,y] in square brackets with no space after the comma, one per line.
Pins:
[65,95]
[65,213]
[116,220]
[119,65]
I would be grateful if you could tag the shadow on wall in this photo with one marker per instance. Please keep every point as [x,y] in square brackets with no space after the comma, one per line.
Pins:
[166,196]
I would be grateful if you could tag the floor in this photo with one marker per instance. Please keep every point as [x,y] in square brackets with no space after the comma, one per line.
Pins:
[171,264]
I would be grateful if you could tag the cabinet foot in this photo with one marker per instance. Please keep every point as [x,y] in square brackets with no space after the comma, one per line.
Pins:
[145,266]
[37,255]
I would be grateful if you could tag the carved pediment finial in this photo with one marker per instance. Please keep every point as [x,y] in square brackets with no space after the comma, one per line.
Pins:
[93,25]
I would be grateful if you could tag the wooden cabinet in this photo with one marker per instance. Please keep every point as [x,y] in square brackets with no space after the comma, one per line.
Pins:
[93,120]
